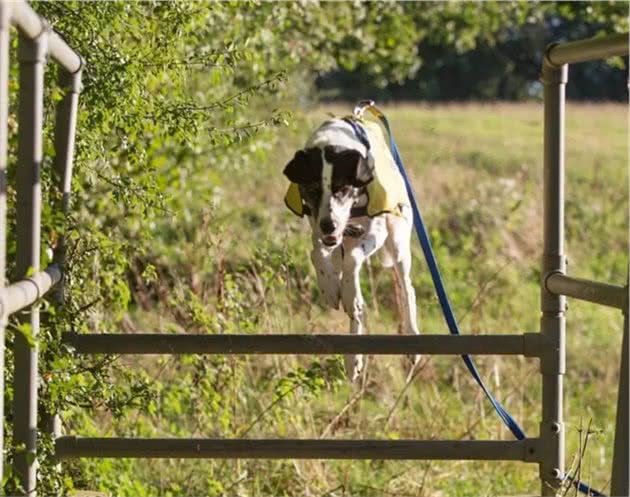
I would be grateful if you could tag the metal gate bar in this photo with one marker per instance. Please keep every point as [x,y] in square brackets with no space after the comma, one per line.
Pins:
[585,50]
[32,57]
[591,291]
[528,344]
[31,25]
[520,450]
[26,292]
[65,131]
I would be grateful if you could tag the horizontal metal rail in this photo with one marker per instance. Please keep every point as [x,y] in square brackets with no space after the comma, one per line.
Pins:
[23,293]
[207,448]
[591,291]
[32,26]
[528,344]
[585,50]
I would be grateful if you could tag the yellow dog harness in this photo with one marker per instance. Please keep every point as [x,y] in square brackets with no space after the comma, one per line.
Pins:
[386,192]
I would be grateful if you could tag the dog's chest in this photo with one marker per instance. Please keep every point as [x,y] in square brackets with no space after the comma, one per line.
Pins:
[374,231]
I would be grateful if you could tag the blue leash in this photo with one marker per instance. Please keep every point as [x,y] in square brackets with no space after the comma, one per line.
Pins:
[447,310]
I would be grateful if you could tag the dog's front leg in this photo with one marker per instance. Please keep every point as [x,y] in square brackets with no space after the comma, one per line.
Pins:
[356,253]
[327,265]
[353,304]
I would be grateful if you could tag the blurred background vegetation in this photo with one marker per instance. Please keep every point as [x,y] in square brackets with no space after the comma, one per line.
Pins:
[190,111]
[474,51]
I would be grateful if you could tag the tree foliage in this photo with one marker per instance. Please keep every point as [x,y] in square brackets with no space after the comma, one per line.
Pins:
[496,48]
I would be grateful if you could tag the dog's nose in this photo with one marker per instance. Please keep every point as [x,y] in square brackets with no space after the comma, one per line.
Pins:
[327,226]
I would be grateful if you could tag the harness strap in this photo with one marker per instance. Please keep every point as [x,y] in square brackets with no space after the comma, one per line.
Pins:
[359,131]
[445,304]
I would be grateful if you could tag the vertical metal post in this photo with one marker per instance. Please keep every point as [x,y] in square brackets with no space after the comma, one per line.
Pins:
[620,482]
[32,56]
[552,322]
[5,23]
[65,131]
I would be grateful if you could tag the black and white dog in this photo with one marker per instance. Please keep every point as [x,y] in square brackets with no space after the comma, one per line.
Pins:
[333,174]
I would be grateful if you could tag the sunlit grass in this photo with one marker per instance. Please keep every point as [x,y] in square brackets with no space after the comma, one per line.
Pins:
[477,170]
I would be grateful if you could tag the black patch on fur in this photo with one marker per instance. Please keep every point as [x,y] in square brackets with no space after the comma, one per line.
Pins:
[349,167]
[305,167]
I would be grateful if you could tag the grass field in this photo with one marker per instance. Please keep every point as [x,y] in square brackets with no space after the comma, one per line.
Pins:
[477,171]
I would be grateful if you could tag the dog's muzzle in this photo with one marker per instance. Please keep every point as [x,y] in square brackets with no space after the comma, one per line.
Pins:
[330,240]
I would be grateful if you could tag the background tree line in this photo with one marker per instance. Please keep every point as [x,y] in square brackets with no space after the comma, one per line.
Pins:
[481,53]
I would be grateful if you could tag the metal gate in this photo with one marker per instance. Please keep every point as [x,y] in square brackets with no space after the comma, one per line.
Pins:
[547,449]
[36,42]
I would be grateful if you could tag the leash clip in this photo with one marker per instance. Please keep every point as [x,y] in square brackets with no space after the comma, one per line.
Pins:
[360,108]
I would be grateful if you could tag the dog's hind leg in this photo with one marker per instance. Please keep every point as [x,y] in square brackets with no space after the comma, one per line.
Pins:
[398,245]
[408,316]
[402,276]
[398,300]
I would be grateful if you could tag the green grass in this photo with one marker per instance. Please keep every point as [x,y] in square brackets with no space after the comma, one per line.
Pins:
[477,171]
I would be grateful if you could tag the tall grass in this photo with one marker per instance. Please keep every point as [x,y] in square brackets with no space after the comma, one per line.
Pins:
[477,171]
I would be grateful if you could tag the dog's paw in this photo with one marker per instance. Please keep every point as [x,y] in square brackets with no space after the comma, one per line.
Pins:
[332,301]
[354,231]
[354,367]
[331,298]
[411,363]
[413,359]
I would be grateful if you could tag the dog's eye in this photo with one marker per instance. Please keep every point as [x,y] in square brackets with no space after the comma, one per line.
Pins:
[311,193]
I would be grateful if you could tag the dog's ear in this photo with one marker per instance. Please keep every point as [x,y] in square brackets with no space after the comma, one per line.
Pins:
[353,168]
[304,167]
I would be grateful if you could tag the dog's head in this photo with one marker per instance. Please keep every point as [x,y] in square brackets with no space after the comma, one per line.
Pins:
[330,179]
